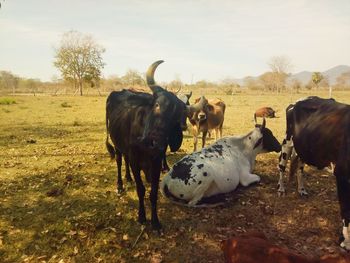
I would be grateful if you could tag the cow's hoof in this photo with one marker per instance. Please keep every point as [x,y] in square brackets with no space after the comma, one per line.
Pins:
[157,226]
[303,192]
[345,245]
[120,191]
[142,219]
[281,192]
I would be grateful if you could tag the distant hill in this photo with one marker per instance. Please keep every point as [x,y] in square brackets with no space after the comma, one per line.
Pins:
[305,76]
[331,74]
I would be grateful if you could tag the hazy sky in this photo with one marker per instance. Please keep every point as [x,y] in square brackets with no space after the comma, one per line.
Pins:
[200,39]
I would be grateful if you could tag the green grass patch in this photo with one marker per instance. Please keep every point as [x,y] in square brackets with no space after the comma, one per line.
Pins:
[7,101]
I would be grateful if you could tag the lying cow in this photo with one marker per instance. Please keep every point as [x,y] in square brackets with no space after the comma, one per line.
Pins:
[254,247]
[218,168]
[208,116]
[264,112]
[319,130]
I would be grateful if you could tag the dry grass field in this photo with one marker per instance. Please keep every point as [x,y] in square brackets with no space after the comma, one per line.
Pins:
[58,200]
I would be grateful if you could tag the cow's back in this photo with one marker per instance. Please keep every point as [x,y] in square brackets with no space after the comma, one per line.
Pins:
[126,114]
[318,129]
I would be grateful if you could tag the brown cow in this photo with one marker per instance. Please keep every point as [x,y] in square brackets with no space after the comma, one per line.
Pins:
[254,247]
[264,112]
[209,115]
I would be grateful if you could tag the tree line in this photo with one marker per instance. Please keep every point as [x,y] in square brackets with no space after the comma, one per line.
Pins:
[79,60]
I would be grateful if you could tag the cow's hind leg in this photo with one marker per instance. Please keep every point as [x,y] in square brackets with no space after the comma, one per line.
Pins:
[248,178]
[343,189]
[127,169]
[199,192]
[300,177]
[165,166]
[287,146]
[118,158]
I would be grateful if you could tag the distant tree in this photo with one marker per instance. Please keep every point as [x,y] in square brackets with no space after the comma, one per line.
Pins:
[250,83]
[316,78]
[280,67]
[79,59]
[268,81]
[8,81]
[175,85]
[343,80]
[132,78]
[229,85]
[296,85]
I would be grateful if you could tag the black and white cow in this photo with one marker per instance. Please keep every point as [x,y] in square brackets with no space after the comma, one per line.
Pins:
[218,168]
[319,130]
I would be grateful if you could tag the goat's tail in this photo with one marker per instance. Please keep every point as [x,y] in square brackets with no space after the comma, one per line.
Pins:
[109,146]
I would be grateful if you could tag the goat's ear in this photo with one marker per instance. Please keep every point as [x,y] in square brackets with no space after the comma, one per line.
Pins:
[175,138]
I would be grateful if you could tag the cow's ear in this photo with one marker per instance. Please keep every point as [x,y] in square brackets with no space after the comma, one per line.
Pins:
[210,107]
[175,138]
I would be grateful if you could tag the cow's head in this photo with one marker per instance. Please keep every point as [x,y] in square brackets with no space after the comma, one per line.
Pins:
[199,111]
[163,123]
[185,98]
[266,140]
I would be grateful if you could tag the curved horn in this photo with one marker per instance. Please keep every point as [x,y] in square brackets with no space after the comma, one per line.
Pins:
[197,106]
[176,92]
[150,74]
[263,124]
[189,94]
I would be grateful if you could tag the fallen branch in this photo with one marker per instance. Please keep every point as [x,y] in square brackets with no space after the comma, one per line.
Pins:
[139,236]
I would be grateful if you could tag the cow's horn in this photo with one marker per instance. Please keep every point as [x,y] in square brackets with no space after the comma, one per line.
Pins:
[150,74]
[197,106]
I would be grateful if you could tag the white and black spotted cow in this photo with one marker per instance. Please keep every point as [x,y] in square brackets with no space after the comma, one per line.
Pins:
[218,169]
[319,131]
[288,152]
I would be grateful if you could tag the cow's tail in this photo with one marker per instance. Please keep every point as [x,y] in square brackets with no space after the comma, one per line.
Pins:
[294,161]
[109,146]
